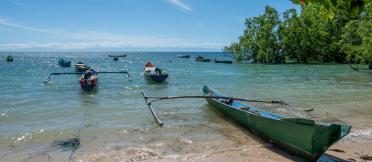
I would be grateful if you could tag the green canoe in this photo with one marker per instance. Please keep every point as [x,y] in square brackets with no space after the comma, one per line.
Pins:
[301,137]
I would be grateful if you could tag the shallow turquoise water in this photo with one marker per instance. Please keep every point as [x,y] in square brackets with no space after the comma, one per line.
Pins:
[33,114]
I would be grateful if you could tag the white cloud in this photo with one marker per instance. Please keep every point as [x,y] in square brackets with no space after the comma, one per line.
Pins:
[5,22]
[180,4]
[106,44]
[99,39]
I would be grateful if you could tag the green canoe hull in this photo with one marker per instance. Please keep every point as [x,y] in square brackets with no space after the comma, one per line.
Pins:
[301,137]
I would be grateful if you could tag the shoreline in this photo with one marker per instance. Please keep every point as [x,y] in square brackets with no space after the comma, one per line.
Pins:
[229,143]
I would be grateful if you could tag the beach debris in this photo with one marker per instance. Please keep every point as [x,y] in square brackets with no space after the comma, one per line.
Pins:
[142,154]
[269,145]
[366,157]
[351,160]
[70,144]
[337,150]
[308,110]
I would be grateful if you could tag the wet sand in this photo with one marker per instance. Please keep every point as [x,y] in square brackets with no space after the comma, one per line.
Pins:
[202,142]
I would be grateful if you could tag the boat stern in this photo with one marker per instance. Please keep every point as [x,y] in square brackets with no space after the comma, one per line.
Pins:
[88,84]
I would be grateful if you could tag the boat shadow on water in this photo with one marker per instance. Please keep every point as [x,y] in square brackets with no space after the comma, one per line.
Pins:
[88,97]
[265,142]
[152,82]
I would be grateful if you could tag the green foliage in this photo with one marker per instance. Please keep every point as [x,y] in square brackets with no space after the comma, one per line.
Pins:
[259,40]
[357,38]
[311,35]
[354,7]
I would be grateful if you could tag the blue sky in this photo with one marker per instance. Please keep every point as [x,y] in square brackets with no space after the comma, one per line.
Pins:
[126,25]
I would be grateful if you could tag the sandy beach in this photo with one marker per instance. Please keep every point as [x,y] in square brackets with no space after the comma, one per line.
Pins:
[164,144]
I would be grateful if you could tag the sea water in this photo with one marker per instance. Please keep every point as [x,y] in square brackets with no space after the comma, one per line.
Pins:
[33,115]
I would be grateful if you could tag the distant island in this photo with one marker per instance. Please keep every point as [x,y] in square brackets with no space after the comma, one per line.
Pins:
[325,32]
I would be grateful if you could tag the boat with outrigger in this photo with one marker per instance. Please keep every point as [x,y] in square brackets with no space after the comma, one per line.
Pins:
[89,79]
[202,59]
[9,58]
[116,57]
[123,55]
[64,63]
[81,67]
[154,73]
[302,137]
[223,61]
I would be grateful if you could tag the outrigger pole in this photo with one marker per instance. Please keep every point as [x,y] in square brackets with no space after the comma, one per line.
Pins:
[115,72]
[103,72]
[50,76]
[151,109]
[158,98]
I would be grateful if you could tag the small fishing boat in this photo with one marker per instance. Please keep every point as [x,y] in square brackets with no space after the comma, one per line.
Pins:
[88,80]
[81,67]
[223,61]
[183,56]
[202,59]
[302,137]
[124,55]
[153,73]
[64,63]
[9,58]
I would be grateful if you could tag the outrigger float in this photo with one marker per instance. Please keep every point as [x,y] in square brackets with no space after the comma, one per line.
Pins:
[302,137]
[89,78]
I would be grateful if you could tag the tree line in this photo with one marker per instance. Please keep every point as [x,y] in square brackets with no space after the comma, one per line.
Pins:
[332,33]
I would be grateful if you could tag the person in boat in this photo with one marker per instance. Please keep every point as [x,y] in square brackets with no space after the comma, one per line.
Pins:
[158,71]
[87,77]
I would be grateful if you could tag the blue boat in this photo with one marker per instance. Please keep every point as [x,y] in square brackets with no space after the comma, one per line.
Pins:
[64,63]
[154,73]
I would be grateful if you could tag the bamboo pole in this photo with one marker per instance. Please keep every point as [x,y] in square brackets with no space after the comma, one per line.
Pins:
[103,72]
[151,109]
[115,72]
[157,98]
